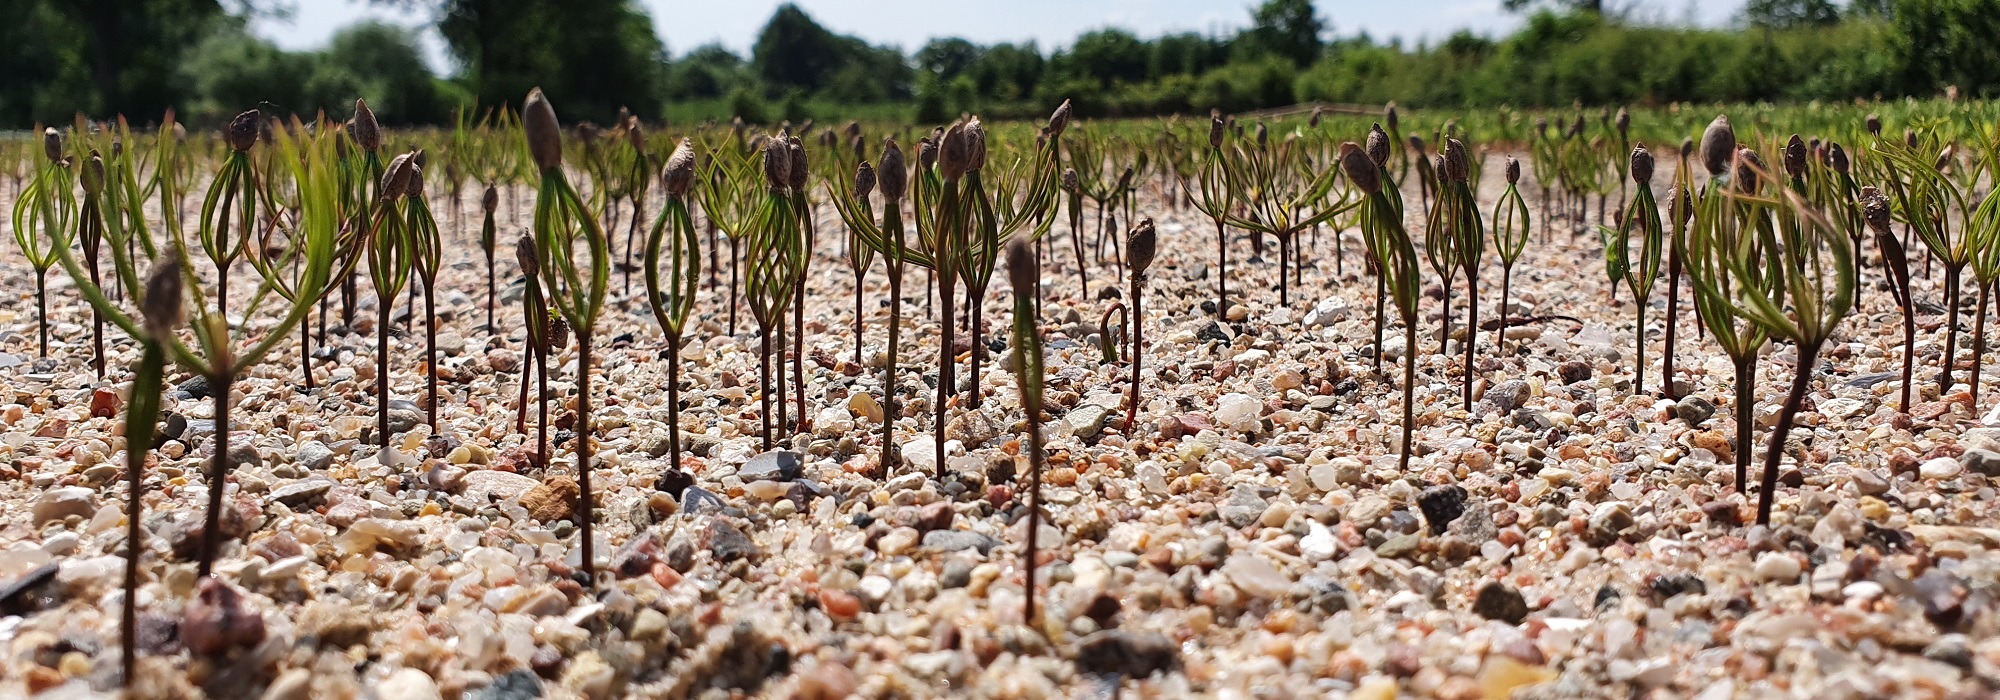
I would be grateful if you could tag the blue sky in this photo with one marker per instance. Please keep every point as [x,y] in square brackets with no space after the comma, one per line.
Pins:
[685,24]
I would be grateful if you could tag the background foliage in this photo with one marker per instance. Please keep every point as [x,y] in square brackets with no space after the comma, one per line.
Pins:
[140,57]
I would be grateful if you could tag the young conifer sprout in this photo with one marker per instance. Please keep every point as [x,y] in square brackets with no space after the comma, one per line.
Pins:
[774,241]
[1511,227]
[535,330]
[672,299]
[561,217]
[426,255]
[160,316]
[802,263]
[1396,259]
[1680,212]
[1379,142]
[1722,229]
[91,235]
[1022,275]
[45,212]
[392,250]
[1073,189]
[215,354]
[1140,247]
[1461,208]
[886,238]
[1639,268]
[860,255]
[489,241]
[1896,264]
[1213,196]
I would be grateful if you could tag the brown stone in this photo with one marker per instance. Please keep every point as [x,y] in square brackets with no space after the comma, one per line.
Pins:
[554,499]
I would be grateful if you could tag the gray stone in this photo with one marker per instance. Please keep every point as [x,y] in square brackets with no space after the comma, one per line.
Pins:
[314,455]
[59,503]
[1126,654]
[243,454]
[959,540]
[957,573]
[726,543]
[776,465]
[403,420]
[1398,547]
[1243,507]
[1694,409]
[1508,395]
[299,493]
[1981,461]
[1475,525]
[1086,420]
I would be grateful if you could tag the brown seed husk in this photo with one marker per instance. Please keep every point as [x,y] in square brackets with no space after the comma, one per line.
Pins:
[1140,246]
[679,176]
[1642,165]
[864,180]
[526,256]
[242,133]
[1718,145]
[367,132]
[892,175]
[160,311]
[538,119]
[1360,169]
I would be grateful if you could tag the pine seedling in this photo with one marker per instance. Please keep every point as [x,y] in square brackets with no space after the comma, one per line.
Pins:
[1639,271]
[1140,247]
[561,217]
[1022,274]
[672,299]
[45,212]
[1896,266]
[1511,227]
[1730,224]
[1213,197]
[1396,259]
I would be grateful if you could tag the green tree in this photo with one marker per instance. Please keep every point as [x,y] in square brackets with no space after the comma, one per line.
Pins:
[590,56]
[103,57]
[709,71]
[1595,7]
[947,58]
[1791,13]
[1285,28]
[1107,56]
[1947,42]
[388,66]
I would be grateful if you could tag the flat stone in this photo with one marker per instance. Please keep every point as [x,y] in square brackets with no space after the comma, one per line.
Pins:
[59,503]
[484,484]
[1086,420]
[299,493]
[959,540]
[776,465]
[1398,547]
[1694,409]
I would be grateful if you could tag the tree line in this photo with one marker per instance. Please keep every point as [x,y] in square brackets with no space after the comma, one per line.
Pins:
[142,57]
